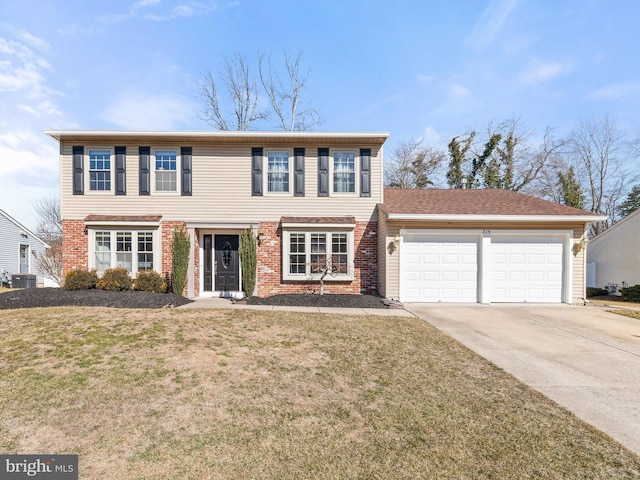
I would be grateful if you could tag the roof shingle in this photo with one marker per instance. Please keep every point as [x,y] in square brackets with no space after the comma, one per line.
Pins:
[471,202]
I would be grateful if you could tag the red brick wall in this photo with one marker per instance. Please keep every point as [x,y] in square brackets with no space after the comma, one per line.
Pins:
[167,229]
[75,245]
[270,281]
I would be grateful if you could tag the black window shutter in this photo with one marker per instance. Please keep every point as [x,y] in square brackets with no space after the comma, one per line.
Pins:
[186,157]
[144,154]
[323,172]
[121,159]
[298,172]
[78,176]
[256,171]
[365,172]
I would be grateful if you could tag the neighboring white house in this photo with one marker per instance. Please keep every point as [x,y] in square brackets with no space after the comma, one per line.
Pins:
[20,248]
[613,257]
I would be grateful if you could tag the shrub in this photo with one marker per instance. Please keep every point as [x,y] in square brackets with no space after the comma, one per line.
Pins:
[150,281]
[179,260]
[80,279]
[596,292]
[115,279]
[248,261]
[631,294]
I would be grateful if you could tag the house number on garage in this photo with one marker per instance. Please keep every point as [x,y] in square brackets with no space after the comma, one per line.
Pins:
[486,232]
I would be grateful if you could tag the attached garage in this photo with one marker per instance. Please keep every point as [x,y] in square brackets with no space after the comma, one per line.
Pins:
[475,266]
[480,246]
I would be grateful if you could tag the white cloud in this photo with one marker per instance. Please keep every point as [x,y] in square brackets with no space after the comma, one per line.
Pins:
[616,91]
[490,23]
[431,136]
[28,172]
[143,111]
[458,91]
[539,71]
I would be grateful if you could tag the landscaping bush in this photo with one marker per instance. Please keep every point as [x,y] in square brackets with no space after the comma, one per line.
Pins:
[248,261]
[80,279]
[116,279]
[179,260]
[596,292]
[150,281]
[631,294]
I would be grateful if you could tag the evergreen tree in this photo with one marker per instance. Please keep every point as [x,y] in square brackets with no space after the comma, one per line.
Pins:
[458,157]
[631,203]
[570,189]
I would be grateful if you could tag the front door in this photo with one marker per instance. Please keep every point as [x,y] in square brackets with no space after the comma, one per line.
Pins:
[226,263]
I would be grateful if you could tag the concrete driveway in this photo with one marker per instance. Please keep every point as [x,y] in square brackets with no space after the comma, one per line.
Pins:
[584,358]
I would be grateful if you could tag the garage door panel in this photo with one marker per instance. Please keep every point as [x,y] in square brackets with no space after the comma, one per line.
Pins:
[448,267]
[532,272]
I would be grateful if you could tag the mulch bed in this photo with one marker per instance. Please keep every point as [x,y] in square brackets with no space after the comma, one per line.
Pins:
[57,297]
[315,300]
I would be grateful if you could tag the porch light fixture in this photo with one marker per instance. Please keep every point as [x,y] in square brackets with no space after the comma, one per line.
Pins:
[393,246]
[260,237]
[584,241]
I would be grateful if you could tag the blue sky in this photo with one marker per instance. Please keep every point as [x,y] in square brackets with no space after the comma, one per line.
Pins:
[412,68]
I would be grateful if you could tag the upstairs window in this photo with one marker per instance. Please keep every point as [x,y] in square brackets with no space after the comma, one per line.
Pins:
[278,172]
[99,170]
[166,171]
[344,172]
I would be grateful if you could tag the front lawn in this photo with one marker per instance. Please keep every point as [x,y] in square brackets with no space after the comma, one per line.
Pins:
[208,394]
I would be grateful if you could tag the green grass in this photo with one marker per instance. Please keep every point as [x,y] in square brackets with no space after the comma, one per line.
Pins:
[244,394]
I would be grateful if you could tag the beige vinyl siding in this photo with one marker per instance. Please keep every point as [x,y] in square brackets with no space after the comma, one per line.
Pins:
[221,188]
[616,252]
[392,261]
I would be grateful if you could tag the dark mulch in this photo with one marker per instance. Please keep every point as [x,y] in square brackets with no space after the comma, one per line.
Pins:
[315,300]
[57,297]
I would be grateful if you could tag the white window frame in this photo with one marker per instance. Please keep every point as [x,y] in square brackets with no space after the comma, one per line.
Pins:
[112,159]
[154,190]
[308,275]
[134,231]
[356,182]
[265,169]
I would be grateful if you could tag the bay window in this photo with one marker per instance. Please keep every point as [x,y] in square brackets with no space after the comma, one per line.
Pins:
[131,249]
[310,254]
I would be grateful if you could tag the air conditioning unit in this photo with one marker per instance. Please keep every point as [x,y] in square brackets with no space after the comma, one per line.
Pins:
[24,280]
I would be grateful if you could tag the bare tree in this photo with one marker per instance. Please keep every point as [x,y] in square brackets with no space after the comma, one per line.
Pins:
[330,265]
[50,230]
[285,95]
[412,165]
[241,86]
[598,151]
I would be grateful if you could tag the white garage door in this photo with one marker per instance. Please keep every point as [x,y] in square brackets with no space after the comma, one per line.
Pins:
[526,269]
[438,269]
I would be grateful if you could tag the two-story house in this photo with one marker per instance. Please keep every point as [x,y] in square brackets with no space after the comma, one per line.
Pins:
[312,199]
[308,197]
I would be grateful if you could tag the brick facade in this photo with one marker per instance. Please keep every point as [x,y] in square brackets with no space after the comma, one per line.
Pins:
[269,259]
[75,246]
